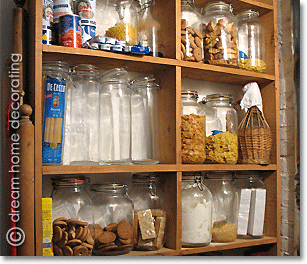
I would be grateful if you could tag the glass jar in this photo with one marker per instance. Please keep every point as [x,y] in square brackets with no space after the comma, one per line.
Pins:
[56,82]
[120,20]
[115,118]
[196,211]
[149,212]
[84,115]
[191,35]
[221,129]
[113,213]
[225,195]
[220,34]
[72,215]
[149,28]
[192,129]
[145,121]
[251,41]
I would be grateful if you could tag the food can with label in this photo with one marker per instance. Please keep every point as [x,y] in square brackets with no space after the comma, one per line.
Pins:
[47,21]
[70,31]
[62,7]
[86,9]
[88,32]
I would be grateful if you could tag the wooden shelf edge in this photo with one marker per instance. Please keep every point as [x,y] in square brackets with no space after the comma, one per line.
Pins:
[225,167]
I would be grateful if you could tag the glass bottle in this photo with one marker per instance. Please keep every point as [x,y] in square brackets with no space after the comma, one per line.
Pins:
[192,128]
[191,35]
[220,34]
[72,215]
[113,212]
[149,28]
[145,121]
[225,195]
[251,41]
[115,118]
[84,115]
[221,129]
[196,211]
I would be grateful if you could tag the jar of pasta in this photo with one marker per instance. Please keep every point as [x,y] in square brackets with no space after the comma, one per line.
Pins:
[192,129]
[220,34]
[225,195]
[221,129]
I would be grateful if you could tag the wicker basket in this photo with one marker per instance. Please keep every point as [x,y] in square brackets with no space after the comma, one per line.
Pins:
[255,139]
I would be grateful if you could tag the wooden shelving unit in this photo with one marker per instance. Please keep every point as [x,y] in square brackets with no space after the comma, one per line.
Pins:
[170,71]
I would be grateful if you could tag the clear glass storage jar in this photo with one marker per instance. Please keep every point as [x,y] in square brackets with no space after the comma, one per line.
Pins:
[72,215]
[145,147]
[191,35]
[113,213]
[192,129]
[115,118]
[220,34]
[149,212]
[196,211]
[221,129]
[83,123]
[251,41]
[225,195]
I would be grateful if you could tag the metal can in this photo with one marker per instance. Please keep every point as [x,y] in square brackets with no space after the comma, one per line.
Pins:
[86,9]
[62,7]
[70,31]
[88,32]
[47,36]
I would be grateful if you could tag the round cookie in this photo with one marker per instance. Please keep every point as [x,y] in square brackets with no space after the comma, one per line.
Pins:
[57,250]
[183,23]
[197,54]
[60,223]
[84,234]
[192,43]
[198,33]
[111,227]
[79,232]
[72,221]
[89,247]
[57,234]
[106,237]
[190,30]
[74,242]
[61,219]
[125,241]
[89,239]
[63,240]
[198,42]
[124,230]
[67,251]
[80,251]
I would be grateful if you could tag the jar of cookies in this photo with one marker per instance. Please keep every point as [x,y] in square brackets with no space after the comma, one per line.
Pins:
[220,34]
[221,129]
[72,215]
[191,36]
[196,211]
[192,128]
[113,213]
[149,212]
[225,195]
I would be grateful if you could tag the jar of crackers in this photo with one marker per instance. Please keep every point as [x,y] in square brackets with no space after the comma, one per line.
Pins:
[220,34]
[72,215]
[221,129]
[149,212]
[192,129]
[225,195]
[191,35]
[113,213]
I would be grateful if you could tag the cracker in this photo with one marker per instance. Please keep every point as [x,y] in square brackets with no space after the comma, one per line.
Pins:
[160,229]
[146,223]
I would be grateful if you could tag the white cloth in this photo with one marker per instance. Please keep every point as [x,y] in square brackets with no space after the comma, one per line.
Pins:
[252,96]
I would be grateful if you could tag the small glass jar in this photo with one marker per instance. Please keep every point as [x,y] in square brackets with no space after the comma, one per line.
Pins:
[225,195]
[72,215]
[221,129]
[220,34]
[144,121]
[192,129]
[251,41]
[84,115]
[191,35]
[149,212]
[196,212]
[113,213]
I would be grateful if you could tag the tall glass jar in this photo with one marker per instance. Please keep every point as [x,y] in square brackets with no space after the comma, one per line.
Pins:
[84,115]
[251,41]
[191,35]
[196,211]
[113,212]
[192,129]
[56,84]
[145,121]
[72,214]
[149,28]
[221,129]
[225,194]
[220,34]
[115,118]
[149,212]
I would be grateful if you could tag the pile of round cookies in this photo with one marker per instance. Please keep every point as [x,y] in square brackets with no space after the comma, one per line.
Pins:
[71,237]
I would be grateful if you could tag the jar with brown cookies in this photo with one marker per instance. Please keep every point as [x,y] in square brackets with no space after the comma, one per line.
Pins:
[149,212]
[113,211]
[220,34]
[191,36]
[72,215]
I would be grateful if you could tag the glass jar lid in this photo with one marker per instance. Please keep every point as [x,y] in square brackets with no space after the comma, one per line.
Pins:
[144,82]
[247,13]
[189,94]
[109,188]
[117,75]
[187,2]
[218,5]
[217,97]
[144,178]
[195,177]
[56,66]
[70,181]
[86,69]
